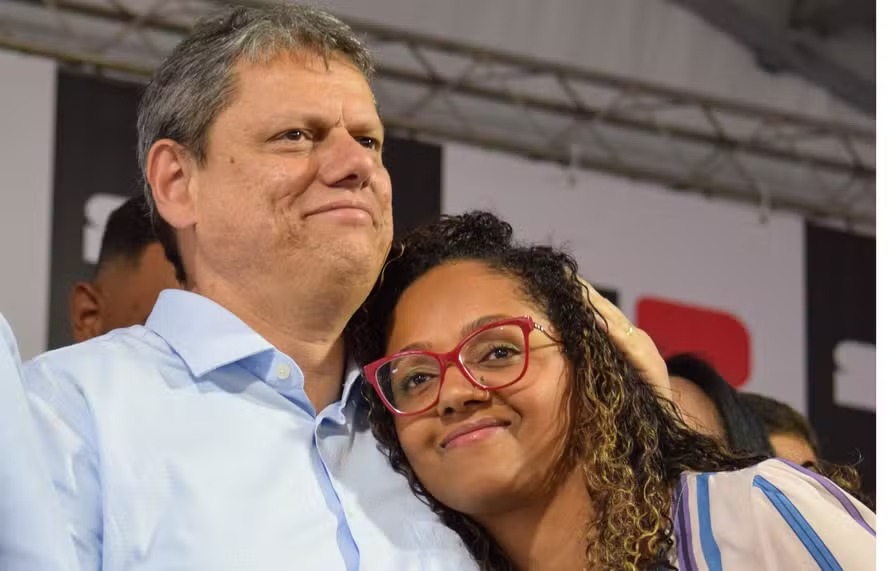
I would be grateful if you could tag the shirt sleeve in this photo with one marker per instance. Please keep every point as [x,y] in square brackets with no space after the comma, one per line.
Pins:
[805,521]
[31,533]
[67,434]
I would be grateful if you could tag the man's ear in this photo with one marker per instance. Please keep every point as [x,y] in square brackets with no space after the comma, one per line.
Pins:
[169,169]
[85,312]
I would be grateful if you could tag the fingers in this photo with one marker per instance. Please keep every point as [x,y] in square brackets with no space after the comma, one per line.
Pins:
[608,314]
[634,343]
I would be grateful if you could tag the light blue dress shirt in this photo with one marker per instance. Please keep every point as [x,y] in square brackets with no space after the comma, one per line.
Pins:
[189,444]
[32,535]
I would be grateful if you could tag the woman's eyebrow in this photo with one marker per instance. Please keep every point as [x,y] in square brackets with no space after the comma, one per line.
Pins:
[481,322]
[467,329]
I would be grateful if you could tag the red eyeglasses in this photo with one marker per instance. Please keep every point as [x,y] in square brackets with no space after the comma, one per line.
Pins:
[491,358]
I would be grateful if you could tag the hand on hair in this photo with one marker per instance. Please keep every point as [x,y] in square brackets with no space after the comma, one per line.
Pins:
[634,343]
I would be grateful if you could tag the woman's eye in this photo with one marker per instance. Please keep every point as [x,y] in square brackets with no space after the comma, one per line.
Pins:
[501,353]
[294,135]
[415,380]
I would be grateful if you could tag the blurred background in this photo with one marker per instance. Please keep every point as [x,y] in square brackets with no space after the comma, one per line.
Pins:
[711,163]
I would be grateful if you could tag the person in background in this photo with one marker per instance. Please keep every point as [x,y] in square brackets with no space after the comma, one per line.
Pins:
[711,406]
[131,272]
[788,431]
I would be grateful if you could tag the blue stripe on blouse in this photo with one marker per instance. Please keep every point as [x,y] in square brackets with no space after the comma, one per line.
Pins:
[803,530]
[711,552]
[834,491]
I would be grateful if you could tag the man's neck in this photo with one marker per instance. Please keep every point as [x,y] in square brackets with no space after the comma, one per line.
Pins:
[309,332]
[548,534]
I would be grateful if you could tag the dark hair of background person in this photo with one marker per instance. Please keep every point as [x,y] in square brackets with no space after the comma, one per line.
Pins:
[779,418]
[632,446]
[128,232]
[129,275]
[744,432]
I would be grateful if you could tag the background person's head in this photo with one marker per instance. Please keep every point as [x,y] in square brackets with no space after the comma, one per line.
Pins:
[131,272]
[788,431]
[711,406]
[580,411]
[261,147]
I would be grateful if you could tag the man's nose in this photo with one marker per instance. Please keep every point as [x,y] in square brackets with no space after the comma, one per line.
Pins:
[346,163]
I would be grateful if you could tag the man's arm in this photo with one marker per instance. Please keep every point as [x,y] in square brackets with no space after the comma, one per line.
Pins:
[32,535]
[66,432]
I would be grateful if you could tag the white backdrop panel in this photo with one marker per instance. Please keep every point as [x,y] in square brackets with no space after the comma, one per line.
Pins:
[27,139]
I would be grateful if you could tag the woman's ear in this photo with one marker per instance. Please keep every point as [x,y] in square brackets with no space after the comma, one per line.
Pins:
[170,170]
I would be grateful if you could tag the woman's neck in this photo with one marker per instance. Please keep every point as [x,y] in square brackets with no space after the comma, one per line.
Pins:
[548,533]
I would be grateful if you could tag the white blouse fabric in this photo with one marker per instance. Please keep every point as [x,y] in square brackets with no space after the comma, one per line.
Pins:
[773,516]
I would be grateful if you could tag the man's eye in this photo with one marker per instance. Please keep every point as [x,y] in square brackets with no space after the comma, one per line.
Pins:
[369,142]
[294,135]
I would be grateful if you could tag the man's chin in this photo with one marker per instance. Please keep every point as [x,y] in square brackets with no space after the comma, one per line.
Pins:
[348,254]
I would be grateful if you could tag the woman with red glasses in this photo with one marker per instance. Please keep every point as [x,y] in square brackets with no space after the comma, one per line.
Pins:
[499,394]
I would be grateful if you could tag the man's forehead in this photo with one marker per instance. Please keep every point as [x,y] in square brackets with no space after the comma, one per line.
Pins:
[304,58]
[319,64]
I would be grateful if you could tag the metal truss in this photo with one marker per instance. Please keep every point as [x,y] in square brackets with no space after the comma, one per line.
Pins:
[446,91]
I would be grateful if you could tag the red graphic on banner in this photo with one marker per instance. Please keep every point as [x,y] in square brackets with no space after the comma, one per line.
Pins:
[715,335]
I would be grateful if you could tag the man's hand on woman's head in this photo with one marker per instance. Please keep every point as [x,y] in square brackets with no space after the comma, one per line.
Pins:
[633,342]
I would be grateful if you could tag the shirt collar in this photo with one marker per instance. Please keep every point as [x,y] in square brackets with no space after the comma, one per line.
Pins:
[354,378]
[206,335]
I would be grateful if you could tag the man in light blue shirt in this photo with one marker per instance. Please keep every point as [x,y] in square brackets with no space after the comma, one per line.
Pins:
[228,432]
[32,535]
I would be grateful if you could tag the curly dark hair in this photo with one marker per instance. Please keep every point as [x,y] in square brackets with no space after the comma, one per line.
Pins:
[630,445]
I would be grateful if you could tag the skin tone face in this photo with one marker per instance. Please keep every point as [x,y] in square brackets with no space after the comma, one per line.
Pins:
[793,448]
[294,165]
[293,179]
[488,470]
[697,410]
[122,295]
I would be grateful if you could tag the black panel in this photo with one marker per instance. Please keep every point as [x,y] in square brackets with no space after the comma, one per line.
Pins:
[841,278]
[95,154]
[415,169]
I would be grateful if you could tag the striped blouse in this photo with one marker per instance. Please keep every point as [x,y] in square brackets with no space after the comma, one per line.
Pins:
[773,516]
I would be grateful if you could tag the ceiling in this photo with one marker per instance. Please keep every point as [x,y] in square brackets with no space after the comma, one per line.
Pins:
[769,102]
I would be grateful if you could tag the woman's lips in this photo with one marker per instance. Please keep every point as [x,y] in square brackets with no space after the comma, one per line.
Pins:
[474,431]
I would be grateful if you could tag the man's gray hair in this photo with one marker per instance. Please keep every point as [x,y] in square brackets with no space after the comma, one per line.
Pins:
[197,81]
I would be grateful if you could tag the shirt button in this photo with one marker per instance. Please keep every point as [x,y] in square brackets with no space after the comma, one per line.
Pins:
[283,371]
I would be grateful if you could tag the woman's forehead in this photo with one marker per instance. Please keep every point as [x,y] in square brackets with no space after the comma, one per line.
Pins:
[440,304]
[464,286]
